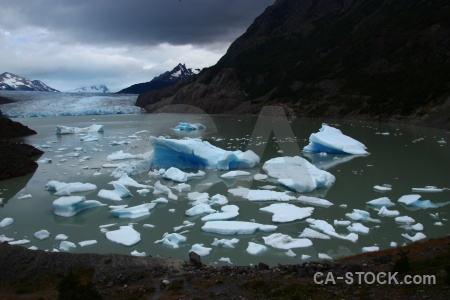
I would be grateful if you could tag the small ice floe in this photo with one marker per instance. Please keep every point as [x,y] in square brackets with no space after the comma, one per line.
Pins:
[66,246]
[225,260]
[290,253]
[185,224]
[177,175]
[260,195]
[61,237]
[126,235]
[427,189]
[255,249]
[69,130]
[200,250]
[202,208]
[45,161]
[42,234]
[384,212]
[236,227]
[195,154]
[332,140]
[25,196]
[143,192]
[260,176]
[305,257]
[172,240]
[162,189]
[3,238]
[182,187]
[283,241]
[120,155]
[33,248]
[417,227]
[66,189]
[285,212]
[361,215]
[160,200]
[6,222]
[138,254]
[117,194]
[268,187]
[87,243]
[68,206]
[393,244]
[442,141]
[328,229]
[89,138]
[19,242]
[438,223]
[379,202]
[405,220]
[342,222]
[358,228]
[298,174]
[237,173]
[225,243]
[148,225]
[128,181]
[312,234]
[417,237]
[385,133]
[183,126]
[228,212]
[324,256]
[382,188]
[134,211]
[370,249]
[218,199]
[413,201]
[315,201]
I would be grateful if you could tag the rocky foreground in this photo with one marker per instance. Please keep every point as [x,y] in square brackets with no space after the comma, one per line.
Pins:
[28,274]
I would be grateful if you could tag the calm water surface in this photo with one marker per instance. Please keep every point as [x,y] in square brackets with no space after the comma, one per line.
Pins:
[402,156]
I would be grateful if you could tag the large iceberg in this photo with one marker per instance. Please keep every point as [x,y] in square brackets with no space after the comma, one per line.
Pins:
[68,130]
[332,140]
[69,206]
[298,174]
[196,154]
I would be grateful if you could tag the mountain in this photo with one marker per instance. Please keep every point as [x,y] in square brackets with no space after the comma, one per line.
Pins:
[380,60]
[166,79]
[12,82]
[101,88]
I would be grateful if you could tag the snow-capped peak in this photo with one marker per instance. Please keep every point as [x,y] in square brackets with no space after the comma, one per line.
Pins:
[99,88]
[12,82]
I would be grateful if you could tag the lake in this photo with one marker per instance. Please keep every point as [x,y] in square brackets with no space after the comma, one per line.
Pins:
[401,156]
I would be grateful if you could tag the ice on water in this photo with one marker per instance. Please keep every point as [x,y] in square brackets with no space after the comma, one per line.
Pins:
[183,126]
[134,211]
[71,130]
[260,195]
[68,206]
[283,241]
[227,212]
[119,192]
[66,189]
[125,235]
[285,212]
[236,227]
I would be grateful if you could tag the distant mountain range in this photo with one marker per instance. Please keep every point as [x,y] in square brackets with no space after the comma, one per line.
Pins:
[100,88]
[12,82]
[166,79]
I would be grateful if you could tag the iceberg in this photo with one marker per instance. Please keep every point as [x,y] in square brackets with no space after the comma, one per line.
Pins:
[6,222]
[404,219]
[87,243]
[131,168]
[256,249]
[382,188]
[42,234]
[328,229]
[126,235]
[285,212]
[312,234]
[236,227]
[260,195]
[182,187]
[283,241]
[117,194]
[162,189]
[218,199]
[65,189]
[427,189]
[172,240]
[324,256]
[138,254]
[177,175]
[183,126]
[225,243]
[298,174]
[200,250]
[197,154]
[332,140]
[134,211]
[412,201]
[228,212]
[120,155]
[199,209]
[89,138]
[358,228]
[236,173]
[125,180]
[226,260]
[361,215]
[68,206]
[417,237]
[315,201]
[70,130]
[383,201]
[66,245]
[370,249]
[384,212]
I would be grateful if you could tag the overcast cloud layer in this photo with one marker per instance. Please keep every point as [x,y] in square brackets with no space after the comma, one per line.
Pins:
[69,44]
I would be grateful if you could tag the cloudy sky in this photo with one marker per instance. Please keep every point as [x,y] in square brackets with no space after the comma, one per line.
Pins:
[69,44]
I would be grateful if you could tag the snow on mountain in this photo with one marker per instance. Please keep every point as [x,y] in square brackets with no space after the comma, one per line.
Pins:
[12,82]
[100,88]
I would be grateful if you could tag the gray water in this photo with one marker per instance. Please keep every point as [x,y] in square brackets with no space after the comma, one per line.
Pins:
[405,158]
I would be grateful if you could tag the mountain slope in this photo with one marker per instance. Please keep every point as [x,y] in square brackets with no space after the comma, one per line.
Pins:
[372,59]
[166,79]
[12,82]
[100,88]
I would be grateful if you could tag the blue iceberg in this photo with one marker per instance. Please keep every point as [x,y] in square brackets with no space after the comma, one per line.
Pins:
[183,126]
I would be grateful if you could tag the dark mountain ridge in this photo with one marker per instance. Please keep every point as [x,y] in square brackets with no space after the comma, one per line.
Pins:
[377,60]
[12,82]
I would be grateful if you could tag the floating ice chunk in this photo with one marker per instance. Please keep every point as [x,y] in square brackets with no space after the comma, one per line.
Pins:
[237,173]
[361,215]
[438,224]
[418,236]
[218,199]
[33,248]
[256,249]
[3,238]
[195,154]
[312,234]
[175,174]
[61,237]
[225,243]
[148,225]
[185,224]
[25,196]
[6,222]
[68,130]
[341,223]
[117,194]
[89,138]
[228,212]
[183,126]
[370,249]
[87,243]
[172,240]
[393,244]
[120,155]
[332,140]
[45,161]
[305,257]
[285,212]
[413,201]
[283,241]
[199,209]
[236,227]
[182,187]
[260,195]
[226,260]
[298,174]
[328,229]
[408,199]
[324,256]
[139,254]
[19,242]
[358,228]
[126,235]
[65,189]
[404,219]
[132,168]
[162,189]
[427,189]
[290,253]
[315,201]
[384,212]
[42,234]
[160,200]
[260,176]
[200,250]
[66,245]
[383,201]
[127,181]
[134,211]
[68,206]
[381,188]
[143,192]
[417,227]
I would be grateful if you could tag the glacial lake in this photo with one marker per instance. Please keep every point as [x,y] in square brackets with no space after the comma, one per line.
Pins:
[401,156]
